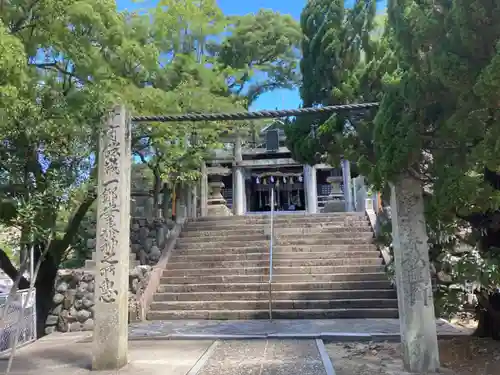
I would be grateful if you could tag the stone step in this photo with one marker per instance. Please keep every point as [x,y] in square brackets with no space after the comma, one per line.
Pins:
[278,237]
[324,266]
[277,263]
[319,239]
[277,221]
[284,278]
[328,231]
[278,295]
[251,230]
[232,226]
[389,313]
[329,286]
[312,270]
[279,233]
[264,255]
[208,245]
[217,238]
[277,249]
[278,305]
[298,215]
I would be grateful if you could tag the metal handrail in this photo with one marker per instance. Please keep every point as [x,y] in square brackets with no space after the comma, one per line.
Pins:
[270,284]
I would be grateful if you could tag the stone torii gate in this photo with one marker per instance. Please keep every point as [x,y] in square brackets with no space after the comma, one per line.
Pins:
[110,339]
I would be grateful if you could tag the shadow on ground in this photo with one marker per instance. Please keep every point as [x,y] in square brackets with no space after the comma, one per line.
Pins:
[73,358]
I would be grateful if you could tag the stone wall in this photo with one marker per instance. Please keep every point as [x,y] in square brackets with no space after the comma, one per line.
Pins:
[147,238]
[74,288]
[74,298]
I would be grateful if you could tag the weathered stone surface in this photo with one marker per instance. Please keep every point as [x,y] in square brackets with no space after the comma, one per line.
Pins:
[413,279]
[218,210]
[83,315]
[238,181]
[52,320]
[58,298]
[147,238]
[213,263]
[311,194]
[77,302]
[62,287]
[371,329]
[334,206]
[267,357]
[110,338]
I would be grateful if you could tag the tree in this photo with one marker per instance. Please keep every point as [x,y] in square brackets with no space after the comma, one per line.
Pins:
[436,74]
[63,63]
[343,62]
[200,74]
[187,82]
[341,46]
[441,114]
[260,54]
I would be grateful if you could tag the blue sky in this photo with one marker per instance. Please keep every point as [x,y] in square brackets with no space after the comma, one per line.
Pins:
[281,99]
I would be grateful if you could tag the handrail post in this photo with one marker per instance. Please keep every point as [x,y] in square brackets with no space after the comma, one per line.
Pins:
[271,256]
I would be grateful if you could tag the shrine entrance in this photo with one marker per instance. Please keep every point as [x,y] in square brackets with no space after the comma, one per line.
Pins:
[288,185]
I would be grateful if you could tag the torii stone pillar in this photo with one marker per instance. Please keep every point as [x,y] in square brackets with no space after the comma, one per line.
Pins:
[346,176]
[310,187]
[110,339]
[204,190]
[238,180]
[413,278]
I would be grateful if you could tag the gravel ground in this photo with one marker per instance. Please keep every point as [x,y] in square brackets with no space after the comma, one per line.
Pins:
[461,356]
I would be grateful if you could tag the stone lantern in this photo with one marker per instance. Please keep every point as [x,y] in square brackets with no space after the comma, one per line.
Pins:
[336,202]
[216,202]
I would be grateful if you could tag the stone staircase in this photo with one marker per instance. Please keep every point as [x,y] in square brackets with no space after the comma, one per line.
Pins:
[324,266]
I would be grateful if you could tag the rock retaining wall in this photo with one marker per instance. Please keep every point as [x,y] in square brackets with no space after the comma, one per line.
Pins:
[74,298]
[147,238]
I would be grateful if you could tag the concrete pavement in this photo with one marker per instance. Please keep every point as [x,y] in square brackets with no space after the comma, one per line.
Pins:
[66,354]
[213,347]
[326,329]
[69,354]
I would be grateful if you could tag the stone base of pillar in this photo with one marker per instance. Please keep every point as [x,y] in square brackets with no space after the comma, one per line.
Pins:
[334,206]
[219,210]
[335,201]
[216,202]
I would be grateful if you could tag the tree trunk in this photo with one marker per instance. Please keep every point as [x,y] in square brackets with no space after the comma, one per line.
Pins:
[47,273]
[488,315]
[165,202]
[487,224]
[44,285]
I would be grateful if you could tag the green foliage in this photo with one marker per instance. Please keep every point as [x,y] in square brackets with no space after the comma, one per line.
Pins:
[440,106]
[343,60]
[64,63]
[9,243]
[439,121]
[260,54]
[434,68]
[200,75]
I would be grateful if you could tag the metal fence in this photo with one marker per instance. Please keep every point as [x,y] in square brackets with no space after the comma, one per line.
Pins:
[20,319]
